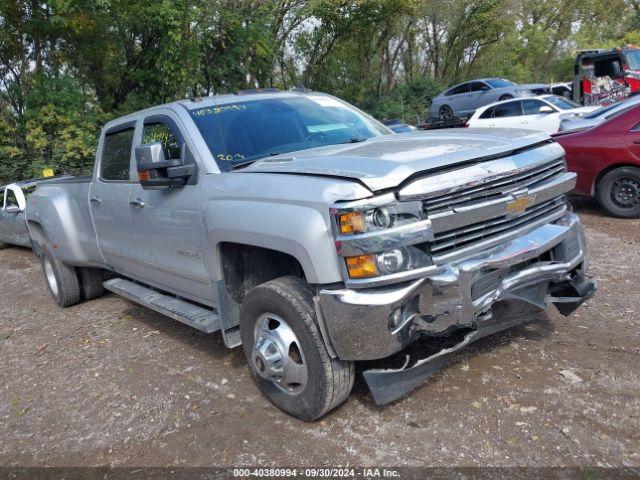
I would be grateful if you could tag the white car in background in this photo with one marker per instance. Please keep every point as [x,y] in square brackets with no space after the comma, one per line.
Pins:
[543,113]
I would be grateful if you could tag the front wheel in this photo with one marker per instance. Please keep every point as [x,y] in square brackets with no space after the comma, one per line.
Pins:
[288,359]
[505,97]
[619,192]
[445,112]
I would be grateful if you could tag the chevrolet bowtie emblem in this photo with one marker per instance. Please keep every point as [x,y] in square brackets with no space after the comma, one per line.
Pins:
[520,204]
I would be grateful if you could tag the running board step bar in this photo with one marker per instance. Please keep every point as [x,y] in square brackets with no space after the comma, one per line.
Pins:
[195,316]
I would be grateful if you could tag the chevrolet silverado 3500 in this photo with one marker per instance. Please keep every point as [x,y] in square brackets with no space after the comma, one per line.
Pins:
[305,231]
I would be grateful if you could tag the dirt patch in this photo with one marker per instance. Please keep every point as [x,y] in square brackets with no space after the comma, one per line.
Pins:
[110,383]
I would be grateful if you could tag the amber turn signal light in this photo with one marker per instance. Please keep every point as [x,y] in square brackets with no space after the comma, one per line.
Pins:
[351,222]
[362,266]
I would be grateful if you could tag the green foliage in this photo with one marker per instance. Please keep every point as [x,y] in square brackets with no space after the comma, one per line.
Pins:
[67,66]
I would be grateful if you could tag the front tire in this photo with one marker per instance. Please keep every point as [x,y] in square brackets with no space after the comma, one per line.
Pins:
[505,97]
[61,279]
[445,112]
[619,192]
[287,357]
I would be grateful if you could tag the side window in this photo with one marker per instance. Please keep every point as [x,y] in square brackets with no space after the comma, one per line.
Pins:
[464,88]
[116,155]
[532,107]
[509,109]
[478,87]
[11,200]
[488,113]
[161,132]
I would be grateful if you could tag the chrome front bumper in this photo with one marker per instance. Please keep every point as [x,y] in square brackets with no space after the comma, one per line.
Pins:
[538,267]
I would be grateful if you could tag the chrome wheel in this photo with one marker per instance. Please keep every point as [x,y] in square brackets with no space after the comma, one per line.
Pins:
[277,354]
[50,276]
[625,192]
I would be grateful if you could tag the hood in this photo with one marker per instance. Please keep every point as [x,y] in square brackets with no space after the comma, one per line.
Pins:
[385,162]
[576,112]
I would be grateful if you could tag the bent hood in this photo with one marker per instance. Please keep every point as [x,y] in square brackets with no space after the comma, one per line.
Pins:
[385,162]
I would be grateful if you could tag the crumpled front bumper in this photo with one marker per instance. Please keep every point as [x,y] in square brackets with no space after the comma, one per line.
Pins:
[546,265]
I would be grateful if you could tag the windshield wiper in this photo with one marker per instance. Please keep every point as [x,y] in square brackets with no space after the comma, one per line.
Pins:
[356,140]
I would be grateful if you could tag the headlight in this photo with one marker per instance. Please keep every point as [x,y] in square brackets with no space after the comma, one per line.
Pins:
[352,222]
[377,236]
[386,263]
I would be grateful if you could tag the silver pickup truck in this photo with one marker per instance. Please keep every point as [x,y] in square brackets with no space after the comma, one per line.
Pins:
[305,231]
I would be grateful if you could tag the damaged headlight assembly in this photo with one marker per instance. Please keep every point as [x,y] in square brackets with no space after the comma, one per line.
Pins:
[376,236]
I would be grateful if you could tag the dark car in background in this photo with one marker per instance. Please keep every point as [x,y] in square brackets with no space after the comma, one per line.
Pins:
[465,98]
[606,158]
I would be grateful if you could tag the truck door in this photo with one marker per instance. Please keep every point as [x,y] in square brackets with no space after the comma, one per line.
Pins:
[168,223]
[109,199]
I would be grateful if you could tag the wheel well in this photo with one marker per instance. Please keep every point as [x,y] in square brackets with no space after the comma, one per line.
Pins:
[245,267]
[596,182]
[38,237]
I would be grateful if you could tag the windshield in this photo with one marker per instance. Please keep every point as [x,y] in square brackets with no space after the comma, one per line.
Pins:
[561,103]
[499,83]
[238,133]
[632,59]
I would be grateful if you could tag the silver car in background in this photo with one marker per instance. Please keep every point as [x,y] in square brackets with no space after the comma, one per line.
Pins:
[598,116]
[13,227]
[465,98]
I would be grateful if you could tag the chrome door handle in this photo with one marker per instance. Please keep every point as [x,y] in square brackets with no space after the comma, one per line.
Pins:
[137,203]
[96,200]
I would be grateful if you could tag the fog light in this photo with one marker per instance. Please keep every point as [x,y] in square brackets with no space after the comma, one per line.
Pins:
[390,262]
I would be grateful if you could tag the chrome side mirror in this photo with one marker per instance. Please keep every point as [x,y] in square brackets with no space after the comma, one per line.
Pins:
[156,172]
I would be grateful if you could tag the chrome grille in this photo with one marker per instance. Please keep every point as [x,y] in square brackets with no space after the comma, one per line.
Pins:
[469,235]
[528,178]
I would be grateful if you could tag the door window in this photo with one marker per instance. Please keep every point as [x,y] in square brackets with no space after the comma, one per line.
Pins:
[464,88]
[116,155]
[478,87]
[532,107]
[11,199]
[163,133]
[509,109]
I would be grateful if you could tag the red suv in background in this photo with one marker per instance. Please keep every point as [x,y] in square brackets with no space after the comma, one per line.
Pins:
[607,160]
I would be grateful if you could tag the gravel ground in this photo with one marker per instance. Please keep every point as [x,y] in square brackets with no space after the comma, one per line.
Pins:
[110,383]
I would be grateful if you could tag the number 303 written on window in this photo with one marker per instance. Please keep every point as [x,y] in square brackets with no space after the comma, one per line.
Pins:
[230,157]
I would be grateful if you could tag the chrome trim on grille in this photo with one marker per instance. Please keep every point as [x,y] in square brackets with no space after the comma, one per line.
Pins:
[497,207]
[481,176]
[458,242]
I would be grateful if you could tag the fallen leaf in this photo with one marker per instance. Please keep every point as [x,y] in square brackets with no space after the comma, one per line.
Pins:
[476,404]
[41,348]
[528,409]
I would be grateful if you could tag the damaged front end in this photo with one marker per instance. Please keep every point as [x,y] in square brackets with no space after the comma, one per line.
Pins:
[546,265]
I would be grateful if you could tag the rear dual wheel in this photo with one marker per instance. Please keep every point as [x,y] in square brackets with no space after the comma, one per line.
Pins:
[66,284]
[287,356]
